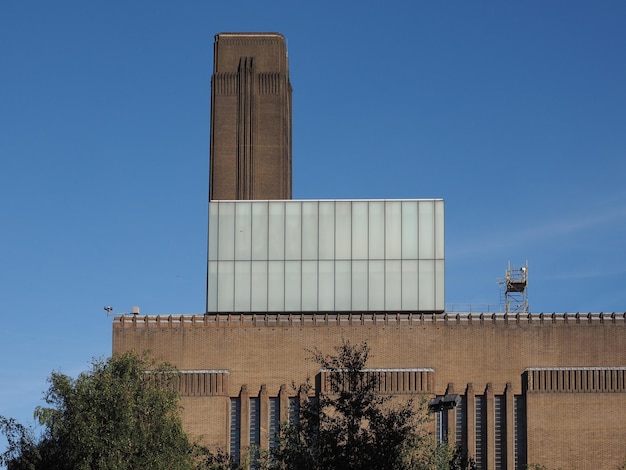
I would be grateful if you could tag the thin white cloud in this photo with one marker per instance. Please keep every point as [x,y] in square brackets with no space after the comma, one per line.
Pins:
[493,241]
[581,274]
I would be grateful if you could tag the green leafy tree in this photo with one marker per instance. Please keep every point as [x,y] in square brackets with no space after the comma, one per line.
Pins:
[355,427]
[22,451]
[218,460]
[116,416]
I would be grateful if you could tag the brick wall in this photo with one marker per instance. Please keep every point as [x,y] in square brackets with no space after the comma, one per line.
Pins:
[476,355]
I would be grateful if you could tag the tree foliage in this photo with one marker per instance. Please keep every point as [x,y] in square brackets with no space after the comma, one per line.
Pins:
[22,451]
[355,427]
[120,416]
[116,416]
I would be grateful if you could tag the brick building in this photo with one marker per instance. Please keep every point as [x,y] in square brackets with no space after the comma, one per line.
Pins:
[285,276]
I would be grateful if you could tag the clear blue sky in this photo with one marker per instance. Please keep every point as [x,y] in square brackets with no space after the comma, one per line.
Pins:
[513,112]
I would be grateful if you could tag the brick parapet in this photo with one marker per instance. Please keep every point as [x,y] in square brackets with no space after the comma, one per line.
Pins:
[347,319]
[462,348]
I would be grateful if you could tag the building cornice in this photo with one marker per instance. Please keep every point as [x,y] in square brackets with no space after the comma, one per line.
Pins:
[355,319]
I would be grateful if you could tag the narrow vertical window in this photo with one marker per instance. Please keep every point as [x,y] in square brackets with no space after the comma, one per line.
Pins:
[519,412]
[255,422]
[500,432]
[235,428]
[294,411]
[481,433]
[441,426]
[461,424]
[255,431]
[274,421]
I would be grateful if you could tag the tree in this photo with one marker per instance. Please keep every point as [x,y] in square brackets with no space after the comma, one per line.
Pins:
[116,416]
[22,451]
[354,426]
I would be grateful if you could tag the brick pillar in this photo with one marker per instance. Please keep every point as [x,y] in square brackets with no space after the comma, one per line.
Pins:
[264,419]
[430,379]
[224,379]
[491,428]
[509,400]
[284,404]
[451,430]
[302,396]
[471,421]
[244,399]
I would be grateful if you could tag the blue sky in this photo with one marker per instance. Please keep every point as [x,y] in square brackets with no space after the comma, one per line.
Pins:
[513,112]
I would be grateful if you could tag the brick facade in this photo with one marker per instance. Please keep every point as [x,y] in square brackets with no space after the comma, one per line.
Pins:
[547,389]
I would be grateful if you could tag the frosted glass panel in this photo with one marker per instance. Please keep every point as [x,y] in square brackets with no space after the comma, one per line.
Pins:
[276,286]
[426,230]
[213,230]
[326,299]
[376,289]
[393,285]
[343,230]
[242,286]
[309,230]
[226,244]
[225,286]
[309,286]
[409,230]
[409,285]
[439,230]
[426,285]
[327,230]
[259,230]
[293,284]
[277,231]
[393,230]
[326,256]
[377,230]
[243,231]
[359,229]
[359,285]
[293,231]
[343,283]
[258,297]
[440,283]
[211,301]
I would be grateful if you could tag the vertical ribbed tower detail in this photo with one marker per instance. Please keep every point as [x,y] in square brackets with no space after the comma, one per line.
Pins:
[245,125]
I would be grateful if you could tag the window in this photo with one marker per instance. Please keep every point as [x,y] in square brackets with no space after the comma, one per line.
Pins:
[235,428]
[274,424]
[500,432]
[481,433]
[255,431]
[519,412]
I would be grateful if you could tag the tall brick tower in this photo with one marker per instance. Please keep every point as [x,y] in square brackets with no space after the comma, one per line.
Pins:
[250,118]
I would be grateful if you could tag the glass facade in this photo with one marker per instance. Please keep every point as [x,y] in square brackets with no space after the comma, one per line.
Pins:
[335,256]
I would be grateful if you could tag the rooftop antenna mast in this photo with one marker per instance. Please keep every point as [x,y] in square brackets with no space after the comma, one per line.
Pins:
[514,289]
